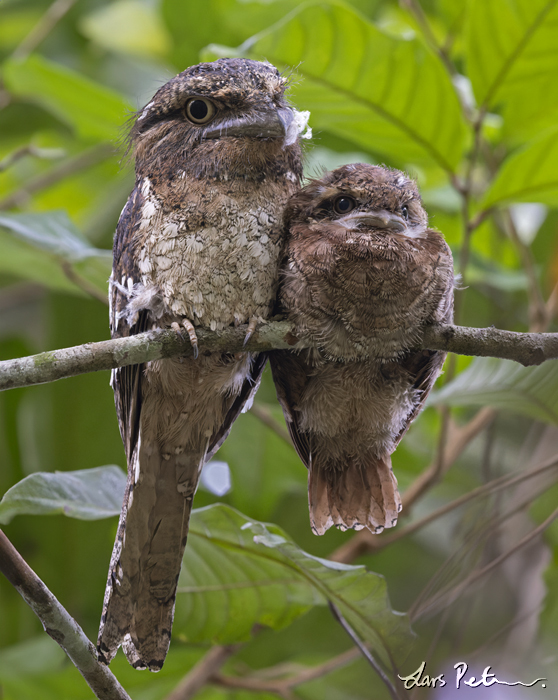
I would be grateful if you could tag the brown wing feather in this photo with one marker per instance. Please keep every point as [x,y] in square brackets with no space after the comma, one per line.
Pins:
[247,393]
[290,375]
[126,381]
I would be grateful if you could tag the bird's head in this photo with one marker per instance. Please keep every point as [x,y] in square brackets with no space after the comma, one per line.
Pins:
[224,115]
[361,197]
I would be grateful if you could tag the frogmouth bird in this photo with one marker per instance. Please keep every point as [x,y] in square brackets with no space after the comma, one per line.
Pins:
[217,155]
[363,275]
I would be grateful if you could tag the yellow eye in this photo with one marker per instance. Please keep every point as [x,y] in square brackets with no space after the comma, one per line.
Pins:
[343,205]
[199,110]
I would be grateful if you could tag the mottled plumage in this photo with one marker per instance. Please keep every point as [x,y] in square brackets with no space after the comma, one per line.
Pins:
[197,244]
[363,275]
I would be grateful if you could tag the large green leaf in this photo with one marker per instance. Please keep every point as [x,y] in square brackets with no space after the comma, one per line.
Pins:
[94,111]
[388,95]
[239,572]
[530,391]
[529,175]
[38,243]
[87,494]
[53,232]
[196,23]
[28,263]
[510,44]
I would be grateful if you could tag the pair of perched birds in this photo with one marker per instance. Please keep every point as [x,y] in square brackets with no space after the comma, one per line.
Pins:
[216,222]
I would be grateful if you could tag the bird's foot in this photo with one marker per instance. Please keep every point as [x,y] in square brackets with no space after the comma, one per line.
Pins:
[252,325]
[188,326]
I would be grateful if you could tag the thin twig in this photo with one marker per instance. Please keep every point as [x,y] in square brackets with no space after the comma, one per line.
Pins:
[552,304]
[264,415]
[202,672]
[440,464]
[30,150]
[83,284]
[364,651]
[456,592]
[422,20]
[538,313]
[475,541]
[478,219]
[469,225]
[480,652]
[282,686]
[43,27]
[526,348]
[499,484]
[458,441]
[58,623]
[84,160]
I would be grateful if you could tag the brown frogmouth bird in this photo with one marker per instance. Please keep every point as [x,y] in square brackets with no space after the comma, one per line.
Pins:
[198,243]
[363,275]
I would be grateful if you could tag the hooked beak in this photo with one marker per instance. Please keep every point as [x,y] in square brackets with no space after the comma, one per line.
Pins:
[375,219]
[271,124]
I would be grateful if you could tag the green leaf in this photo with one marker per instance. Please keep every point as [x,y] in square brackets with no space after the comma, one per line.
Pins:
[529,175]
[52,232]
[388,95]
[88,494]
[95,112]
[510,43]
[22,260]
[128,26]
[195,24]
[37,244]
[503,384]
[239,572]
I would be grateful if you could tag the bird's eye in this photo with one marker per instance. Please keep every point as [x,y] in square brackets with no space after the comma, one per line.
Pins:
[199,110]
[405,212]
[343,205]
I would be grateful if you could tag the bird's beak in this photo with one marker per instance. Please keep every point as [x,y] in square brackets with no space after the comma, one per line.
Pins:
[375,219]
[282,123]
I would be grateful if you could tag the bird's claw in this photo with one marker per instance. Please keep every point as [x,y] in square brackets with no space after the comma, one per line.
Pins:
[191,334]
[250,331]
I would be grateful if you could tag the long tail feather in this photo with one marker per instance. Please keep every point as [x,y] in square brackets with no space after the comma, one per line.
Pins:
[139,601]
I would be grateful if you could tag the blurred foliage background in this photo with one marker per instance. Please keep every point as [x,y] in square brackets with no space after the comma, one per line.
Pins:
[462,95]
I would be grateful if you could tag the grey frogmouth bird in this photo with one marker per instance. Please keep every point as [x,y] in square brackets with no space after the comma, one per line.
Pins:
[363,275]
[198,243]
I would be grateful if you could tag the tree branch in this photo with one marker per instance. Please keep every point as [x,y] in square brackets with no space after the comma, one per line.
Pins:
[202,672]
[526,348]
[283,686]
[58,623]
